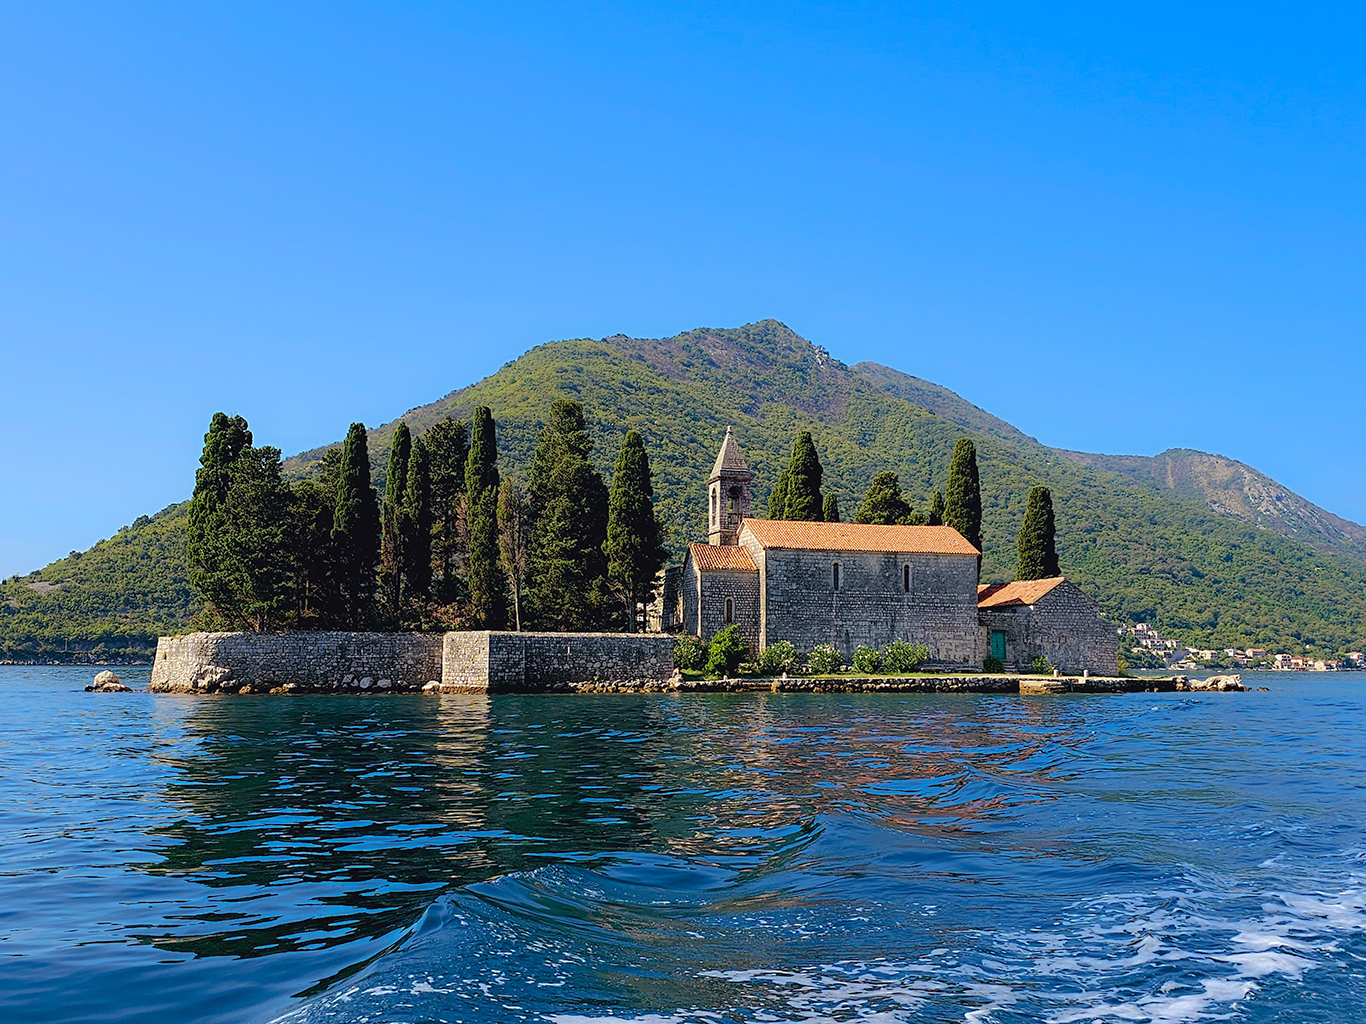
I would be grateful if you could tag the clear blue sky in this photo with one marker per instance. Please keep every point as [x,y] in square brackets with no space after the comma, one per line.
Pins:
[1123,228]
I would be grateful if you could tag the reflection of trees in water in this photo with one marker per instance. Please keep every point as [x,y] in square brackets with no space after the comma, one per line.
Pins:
[315,821]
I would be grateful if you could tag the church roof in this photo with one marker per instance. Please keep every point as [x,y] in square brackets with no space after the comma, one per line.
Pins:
[914,540]
[729,460]
[1021,592]
[712,558]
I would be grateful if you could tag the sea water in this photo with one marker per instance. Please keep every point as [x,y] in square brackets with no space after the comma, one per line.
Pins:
[682,858]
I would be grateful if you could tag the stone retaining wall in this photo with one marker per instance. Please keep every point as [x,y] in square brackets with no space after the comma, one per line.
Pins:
[296,662]
[489,662]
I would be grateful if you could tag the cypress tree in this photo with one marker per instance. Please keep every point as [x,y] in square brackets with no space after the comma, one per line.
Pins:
[804,481]
[777,498]
[635,551]
[831,512]
[355,531]
[963,496]
[567,584]
[447,451]
[936,517]
[487,584]
[209,569]
[1038,543]
[514,540]
[883,505]
[391,528]
[253,538]
[416,525]
[311,505]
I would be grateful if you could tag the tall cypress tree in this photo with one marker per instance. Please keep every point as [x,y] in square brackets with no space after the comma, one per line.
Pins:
[883,505]
[804,481]
[448,450]
[391,527]
[1038,542]
[355,531]
[210,570]
[514,540]
[416,525]
[487,584]
[936,517]
[635,549]
[777,498]
[963,496]
[567,587]
[831,512]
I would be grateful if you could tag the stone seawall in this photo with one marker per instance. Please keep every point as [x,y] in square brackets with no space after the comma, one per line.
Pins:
[488,662]
[296,662]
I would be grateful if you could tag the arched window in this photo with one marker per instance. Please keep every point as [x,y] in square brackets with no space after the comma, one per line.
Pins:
[835,575]
[730,611]
[713,508]
[906,579]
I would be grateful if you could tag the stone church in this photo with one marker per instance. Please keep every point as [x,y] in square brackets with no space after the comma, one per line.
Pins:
[851,584]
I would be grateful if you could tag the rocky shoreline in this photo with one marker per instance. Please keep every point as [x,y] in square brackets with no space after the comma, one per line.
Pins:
[108,682]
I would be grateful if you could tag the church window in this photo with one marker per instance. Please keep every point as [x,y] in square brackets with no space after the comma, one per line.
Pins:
[906,578]
[835,575]
[713,508]
[730,611]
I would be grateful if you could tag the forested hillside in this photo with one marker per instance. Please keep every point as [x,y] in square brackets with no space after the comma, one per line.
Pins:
[1145,551]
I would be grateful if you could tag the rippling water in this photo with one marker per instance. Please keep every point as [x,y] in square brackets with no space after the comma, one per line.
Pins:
[697,858]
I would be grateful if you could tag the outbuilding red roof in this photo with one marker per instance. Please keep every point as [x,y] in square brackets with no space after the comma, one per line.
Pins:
[1000,595]
[714,558]
[915,540]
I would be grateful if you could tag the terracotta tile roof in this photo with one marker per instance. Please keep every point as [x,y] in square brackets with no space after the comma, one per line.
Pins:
[729,459]
[713,558]
[1000,595]
[915,540]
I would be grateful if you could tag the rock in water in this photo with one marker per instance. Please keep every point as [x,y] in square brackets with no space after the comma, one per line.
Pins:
[107,682]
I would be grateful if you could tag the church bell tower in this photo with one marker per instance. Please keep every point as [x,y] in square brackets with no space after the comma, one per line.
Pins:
[727,493]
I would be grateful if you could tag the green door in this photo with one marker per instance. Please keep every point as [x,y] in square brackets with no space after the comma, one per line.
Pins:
[998,645]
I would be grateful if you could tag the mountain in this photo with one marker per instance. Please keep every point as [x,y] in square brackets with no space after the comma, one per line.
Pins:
[1170,548]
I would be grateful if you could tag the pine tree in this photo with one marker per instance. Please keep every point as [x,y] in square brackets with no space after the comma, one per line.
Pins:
[567,584]
[777,498]
[883,504]
[635,551]
[391,528]
[487,584]
[415,525]
[963,496]
[804,481]
[831,512]
[514,540]
[936,516]
[447,451]
[1038,543]
[355,532]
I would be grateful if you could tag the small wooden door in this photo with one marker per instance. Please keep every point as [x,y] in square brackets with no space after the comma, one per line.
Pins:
[998,645]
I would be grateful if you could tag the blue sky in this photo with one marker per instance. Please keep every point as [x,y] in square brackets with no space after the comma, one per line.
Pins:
[1122,230]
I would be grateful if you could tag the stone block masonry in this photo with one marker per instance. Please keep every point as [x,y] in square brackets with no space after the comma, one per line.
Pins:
[296,662]
[469,662]
[487,662]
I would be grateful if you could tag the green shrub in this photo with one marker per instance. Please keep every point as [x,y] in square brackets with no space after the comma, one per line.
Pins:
[867,659]
[990,664]
[690,653]
[901,656]
[1041,666]
[779,657]
[727,650]
[825,659]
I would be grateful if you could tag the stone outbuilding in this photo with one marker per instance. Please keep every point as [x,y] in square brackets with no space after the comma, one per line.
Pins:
[1051,618]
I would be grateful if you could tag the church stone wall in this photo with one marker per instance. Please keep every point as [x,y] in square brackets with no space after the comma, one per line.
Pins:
[743,590]
[1064,626]
[871,607]
[260,662]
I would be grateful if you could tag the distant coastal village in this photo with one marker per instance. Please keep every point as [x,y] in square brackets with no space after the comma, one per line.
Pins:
[1144,647]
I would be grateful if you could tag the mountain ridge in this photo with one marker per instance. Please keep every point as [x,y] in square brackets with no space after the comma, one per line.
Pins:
[1147,551]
